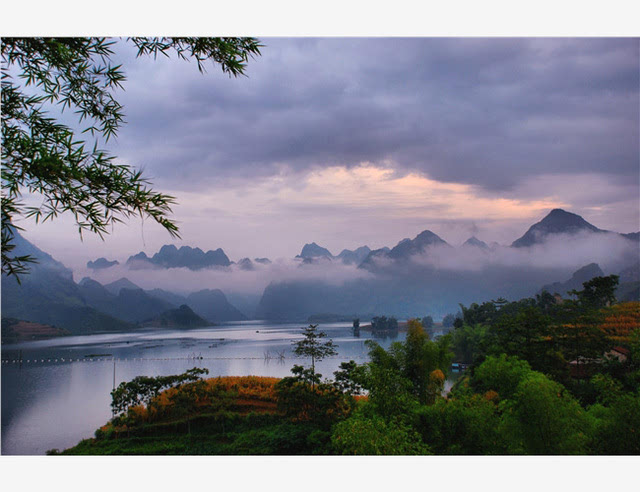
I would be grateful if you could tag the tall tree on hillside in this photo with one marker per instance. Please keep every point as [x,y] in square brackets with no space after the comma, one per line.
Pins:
[42,155]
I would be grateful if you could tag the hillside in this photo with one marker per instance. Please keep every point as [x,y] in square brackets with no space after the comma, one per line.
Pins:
[580,276]
[238,416]
[213,305]
[15,330]
[182,317]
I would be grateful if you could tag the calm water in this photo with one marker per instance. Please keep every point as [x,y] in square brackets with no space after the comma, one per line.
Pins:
[53,404]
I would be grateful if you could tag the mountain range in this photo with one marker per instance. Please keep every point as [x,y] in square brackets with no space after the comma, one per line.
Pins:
[402,287]
[101,264]
[313,251]
[392,283]
[186,257]
[49,295]
[474,242]
[557,222]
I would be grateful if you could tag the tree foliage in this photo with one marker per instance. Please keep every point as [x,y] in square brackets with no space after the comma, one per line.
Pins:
[461,426]
[142,389]
[598,292]
[362,435]
[410,372]
[382,324]
[304,398]
[427,322]
[41,155]
[313,346]
[550,420]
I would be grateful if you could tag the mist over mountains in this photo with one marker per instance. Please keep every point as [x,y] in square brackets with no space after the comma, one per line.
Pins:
[416,277]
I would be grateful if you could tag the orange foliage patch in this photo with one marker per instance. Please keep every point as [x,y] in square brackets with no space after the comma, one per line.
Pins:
[491,395]
[247,393]
[437,376]
[140,412]
[621,321]
[246,387]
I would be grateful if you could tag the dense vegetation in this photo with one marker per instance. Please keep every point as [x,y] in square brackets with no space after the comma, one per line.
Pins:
[546,376]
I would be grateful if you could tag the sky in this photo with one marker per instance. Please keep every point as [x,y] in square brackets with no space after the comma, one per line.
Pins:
[354,141]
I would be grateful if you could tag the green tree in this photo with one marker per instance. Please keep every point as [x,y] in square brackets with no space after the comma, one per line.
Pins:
[350,377]
[606,387]
[618,429]
[450,319]
[459,426]
[313,346]
[467,342]
[502,374]
[361,435]
[523,334]
[598,292]
[142,389]
[42,155]
[420,357]
[409,372]
[303,397]
[186,398]
[550,420]
[427,322]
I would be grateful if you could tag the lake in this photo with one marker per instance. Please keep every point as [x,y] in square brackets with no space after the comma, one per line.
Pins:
[60,394]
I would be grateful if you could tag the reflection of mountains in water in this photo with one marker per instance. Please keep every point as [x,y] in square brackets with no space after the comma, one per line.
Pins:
[385,334]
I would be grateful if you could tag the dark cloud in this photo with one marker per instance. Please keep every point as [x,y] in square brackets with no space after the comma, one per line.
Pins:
[491,112]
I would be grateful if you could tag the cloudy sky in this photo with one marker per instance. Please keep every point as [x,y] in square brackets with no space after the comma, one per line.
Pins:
[353,141]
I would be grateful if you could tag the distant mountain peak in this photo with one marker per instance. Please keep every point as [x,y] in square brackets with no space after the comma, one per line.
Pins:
[101,263]
[427,235]
[356,257]
[475,242]
[405,248]
[583,274]
[557,221]
[169,256]
[313,250]
[88,281]
[587,272]
[181,317]
[121,283]
[213,305]
[245,264]
[169,248]
[408,247]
